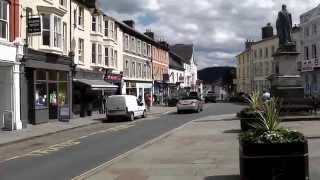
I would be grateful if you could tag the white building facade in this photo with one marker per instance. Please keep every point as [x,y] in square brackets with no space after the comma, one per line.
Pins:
[11,53]
[310,49]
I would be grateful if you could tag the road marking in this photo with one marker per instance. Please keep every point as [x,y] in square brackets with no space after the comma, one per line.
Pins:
[52,149]
[70,143]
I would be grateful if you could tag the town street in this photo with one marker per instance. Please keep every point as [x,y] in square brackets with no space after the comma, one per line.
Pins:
[72,157]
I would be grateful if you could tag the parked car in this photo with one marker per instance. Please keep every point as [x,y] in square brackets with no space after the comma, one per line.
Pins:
[126,106]
[210,97]
[190,103]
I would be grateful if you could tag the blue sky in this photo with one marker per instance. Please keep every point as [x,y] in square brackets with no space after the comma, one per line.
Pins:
[217,28]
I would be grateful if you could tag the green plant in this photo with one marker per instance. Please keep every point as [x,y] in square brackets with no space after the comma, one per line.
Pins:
[268,129]
[255,101]
[269,119]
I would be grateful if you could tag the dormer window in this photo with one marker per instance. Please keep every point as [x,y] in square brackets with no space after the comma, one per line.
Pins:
[4,19]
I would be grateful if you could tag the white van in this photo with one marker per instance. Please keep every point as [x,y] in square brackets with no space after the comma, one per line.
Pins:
[124,106]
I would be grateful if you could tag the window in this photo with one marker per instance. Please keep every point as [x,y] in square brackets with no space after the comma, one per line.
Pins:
[112,29]
[266,68]
[133,44]
[126,68]
[139,70]
[314,51]
[260,53]
[126,42]
[273,49]
[80,50]
[144,71]
[99,24]
[57,32]
[255,53]
[99,54]
[306,32]
[106,28]
[306,53]
[106,56]
[133,69]
[115,58]
[64,40]
[314,29]
[81,17]
[4,19]
[112,57]
[149,50]
[93,52]
[46,29]
[266,52]
[144,49]
[94,23]
[139,46]
[63,3]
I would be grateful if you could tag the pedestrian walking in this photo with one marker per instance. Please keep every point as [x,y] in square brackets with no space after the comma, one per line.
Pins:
[314,104]
[148,100]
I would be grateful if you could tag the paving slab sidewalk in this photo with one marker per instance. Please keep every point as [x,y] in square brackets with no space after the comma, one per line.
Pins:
[206,149]
[34,131]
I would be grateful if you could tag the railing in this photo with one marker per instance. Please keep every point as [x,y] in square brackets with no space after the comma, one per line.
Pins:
[309,64]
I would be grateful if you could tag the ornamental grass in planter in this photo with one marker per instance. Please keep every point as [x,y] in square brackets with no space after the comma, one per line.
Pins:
[270,152]
[250,115]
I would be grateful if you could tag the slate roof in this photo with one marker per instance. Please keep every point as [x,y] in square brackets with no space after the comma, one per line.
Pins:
[175,62]
[185,51]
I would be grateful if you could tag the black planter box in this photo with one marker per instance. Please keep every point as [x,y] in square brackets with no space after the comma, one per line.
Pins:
[274,161]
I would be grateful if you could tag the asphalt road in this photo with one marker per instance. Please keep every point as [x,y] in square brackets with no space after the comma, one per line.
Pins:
[78,155]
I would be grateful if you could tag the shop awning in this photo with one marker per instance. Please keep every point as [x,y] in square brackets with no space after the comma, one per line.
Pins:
[97,84]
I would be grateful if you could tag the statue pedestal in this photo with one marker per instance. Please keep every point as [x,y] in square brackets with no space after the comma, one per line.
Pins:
[286,83]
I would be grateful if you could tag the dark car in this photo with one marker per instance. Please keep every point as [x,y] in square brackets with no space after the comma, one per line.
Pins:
[210,97]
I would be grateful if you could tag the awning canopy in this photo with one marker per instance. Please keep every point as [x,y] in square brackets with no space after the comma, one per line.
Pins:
[97,84]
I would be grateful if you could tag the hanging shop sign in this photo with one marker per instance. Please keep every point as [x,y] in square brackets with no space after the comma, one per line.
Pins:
[34,25]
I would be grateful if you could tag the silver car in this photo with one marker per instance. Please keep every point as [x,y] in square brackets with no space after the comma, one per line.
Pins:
[190,103]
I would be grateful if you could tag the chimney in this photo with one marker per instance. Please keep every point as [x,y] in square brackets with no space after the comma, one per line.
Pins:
[164,44]
[149,33]
[130,23]
[267,31]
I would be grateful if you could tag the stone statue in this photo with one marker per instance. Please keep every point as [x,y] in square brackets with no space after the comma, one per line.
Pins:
[284,27]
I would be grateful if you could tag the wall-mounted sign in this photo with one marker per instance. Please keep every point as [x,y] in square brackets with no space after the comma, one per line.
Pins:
[113,77]
[34,25]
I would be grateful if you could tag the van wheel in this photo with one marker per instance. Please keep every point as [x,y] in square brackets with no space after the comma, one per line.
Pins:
[144,115]
[131,116]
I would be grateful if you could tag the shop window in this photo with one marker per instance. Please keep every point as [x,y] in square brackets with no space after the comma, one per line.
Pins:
[63,76]
[53,75]
[4,19]
[41,97]
[41,75]
[63,94]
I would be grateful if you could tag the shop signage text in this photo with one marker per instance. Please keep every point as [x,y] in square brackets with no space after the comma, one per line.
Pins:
[34,25]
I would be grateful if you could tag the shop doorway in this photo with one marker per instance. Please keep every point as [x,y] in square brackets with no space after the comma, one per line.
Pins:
[53,101]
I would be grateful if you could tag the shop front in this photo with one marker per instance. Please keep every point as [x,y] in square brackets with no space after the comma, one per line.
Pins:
[138,88]
[89,92]
[10,87]
[46,87]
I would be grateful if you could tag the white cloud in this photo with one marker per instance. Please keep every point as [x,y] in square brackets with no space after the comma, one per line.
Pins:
[218,28]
